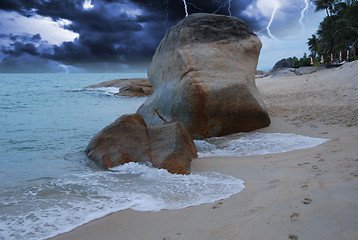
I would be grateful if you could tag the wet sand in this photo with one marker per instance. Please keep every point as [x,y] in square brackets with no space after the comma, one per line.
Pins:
[303,194]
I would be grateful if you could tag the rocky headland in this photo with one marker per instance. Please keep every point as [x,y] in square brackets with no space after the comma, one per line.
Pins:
[132,87]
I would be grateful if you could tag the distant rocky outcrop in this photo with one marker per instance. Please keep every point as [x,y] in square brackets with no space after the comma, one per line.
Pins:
[132,87]
[281,72]
[283,63]
[203,75]
[128,139]
[284,68]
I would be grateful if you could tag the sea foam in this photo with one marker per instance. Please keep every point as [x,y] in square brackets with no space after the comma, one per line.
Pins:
[246,144]
[52,206]
[106,90]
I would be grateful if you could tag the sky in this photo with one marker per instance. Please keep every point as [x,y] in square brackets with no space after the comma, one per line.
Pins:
[122,35]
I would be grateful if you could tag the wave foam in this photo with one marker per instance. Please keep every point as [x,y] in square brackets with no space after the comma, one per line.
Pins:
[52,206]
[246,144]
[105,90]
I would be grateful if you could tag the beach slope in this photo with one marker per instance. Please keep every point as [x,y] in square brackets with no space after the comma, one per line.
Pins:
[303,194]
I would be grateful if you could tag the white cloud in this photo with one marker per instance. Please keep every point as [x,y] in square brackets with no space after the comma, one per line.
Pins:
[53,32]
[88,4]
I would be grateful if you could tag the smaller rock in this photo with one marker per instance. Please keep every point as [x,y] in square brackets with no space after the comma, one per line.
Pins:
[125,140]
[128,139]
[172,147]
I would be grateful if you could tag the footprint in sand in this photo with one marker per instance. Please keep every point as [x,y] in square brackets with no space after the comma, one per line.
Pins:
[304,186]
[302,164]
[219,204]
[307,201]
[294,217]
[293,237]
[169,238]
[318,155]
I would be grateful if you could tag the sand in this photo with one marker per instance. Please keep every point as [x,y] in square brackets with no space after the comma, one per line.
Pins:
[304,194]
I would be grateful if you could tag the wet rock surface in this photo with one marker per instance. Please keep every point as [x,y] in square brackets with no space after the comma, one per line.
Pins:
[128,139]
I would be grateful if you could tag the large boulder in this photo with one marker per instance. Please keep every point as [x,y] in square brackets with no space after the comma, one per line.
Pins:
[203,75]
[128,139]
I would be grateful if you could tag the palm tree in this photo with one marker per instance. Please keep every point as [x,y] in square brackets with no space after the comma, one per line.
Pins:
[313,45]
[338,31]
[327,41]
[348,30]
[325,4]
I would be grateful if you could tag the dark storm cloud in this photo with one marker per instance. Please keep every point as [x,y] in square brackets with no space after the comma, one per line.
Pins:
[20,48]
[104,35]
[113,31]
[23,37]
[21,44]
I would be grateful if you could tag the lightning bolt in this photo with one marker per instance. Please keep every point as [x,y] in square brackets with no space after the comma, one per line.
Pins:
[186,8]
[303,14]
[229,7]
[166,3]
[196,7]
[271,20]
[191,4]
[227,3]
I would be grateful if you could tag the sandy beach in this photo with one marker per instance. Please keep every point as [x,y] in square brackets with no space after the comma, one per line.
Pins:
[304,194]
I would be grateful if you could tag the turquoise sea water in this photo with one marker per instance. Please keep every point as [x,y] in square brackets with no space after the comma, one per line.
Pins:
[47,184]
[45,118]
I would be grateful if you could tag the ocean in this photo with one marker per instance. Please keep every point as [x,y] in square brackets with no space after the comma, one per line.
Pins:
[48,186]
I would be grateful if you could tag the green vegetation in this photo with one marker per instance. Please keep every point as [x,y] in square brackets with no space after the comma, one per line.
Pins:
[337,35]
[297,63]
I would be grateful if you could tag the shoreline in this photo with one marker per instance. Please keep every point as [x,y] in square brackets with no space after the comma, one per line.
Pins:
[302,194]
